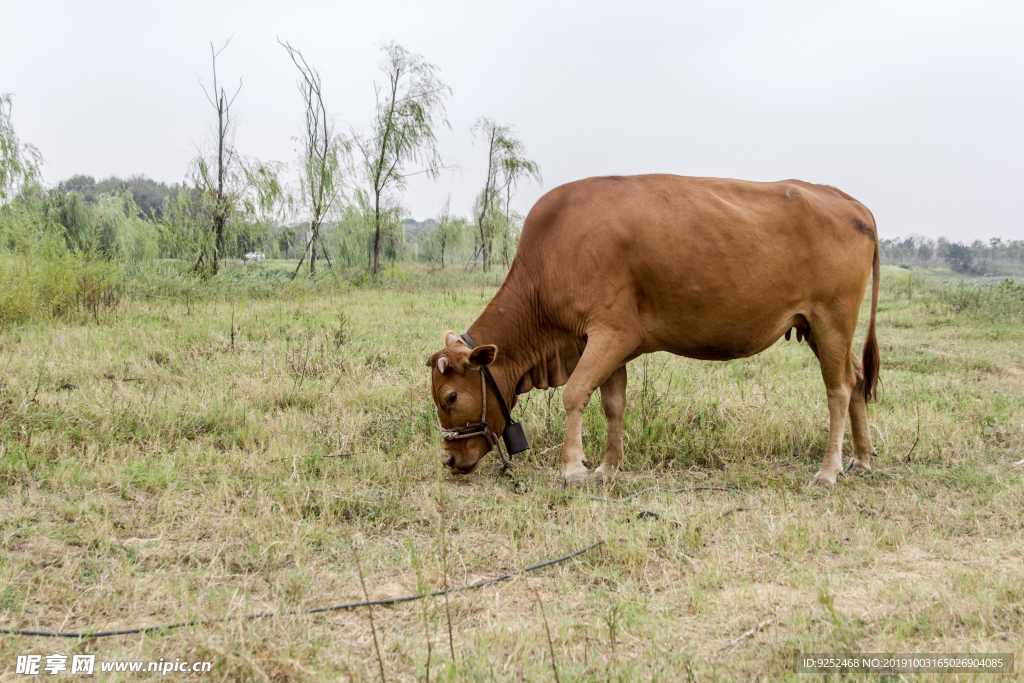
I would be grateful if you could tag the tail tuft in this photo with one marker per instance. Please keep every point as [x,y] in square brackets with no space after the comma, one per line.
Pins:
[872,359]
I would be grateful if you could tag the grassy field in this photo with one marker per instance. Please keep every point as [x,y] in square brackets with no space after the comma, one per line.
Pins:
[217,448]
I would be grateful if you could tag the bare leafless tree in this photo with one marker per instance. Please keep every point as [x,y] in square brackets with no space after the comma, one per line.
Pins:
[225,155]
[228,184]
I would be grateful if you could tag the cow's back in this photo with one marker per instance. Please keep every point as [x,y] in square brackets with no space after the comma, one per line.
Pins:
[714,266]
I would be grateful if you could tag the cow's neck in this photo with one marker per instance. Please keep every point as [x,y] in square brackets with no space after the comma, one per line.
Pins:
[532,353]
[507,327]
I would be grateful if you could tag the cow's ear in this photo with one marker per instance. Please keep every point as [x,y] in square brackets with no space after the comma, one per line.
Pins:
[428,361]
[483,355]
[450,338]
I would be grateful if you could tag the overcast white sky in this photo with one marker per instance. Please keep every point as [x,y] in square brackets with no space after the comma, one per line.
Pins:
[915,108]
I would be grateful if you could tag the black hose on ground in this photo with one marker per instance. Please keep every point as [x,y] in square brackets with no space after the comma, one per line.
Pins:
[385,601]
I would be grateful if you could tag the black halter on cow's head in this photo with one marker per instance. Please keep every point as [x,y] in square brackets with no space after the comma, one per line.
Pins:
[462,386]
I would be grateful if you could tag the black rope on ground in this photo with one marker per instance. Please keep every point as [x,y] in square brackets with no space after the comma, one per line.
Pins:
[661,489]
[314,610]
[385,601]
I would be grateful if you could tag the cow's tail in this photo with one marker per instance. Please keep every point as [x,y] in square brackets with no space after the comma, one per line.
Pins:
[871,359]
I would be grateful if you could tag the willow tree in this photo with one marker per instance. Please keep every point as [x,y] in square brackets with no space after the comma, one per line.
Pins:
[410,106]
[448,231]
[324,158]
[229,187]
[507,165]
[515,167]
[19,163]
[22,209]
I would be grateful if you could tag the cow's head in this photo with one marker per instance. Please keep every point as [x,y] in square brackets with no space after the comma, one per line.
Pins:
[455,386]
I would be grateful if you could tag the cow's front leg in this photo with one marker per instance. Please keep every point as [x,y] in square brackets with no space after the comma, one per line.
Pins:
[613,401]
[604,354]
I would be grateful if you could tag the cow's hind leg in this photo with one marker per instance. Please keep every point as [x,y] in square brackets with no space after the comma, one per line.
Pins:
[862,448]
[605,352]
[613,401]
[835,354]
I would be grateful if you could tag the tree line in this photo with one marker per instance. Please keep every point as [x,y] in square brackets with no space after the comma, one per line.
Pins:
[980,257]
[346,207]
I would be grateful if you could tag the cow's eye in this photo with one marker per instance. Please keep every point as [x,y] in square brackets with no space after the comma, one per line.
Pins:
[450,398]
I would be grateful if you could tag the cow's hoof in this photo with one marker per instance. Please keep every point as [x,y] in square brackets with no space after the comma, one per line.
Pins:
[577,479]
[857,467]
[823,482]
[601,476]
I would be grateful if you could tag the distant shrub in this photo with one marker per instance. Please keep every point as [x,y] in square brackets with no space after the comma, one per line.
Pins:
[959,257]
[41,276]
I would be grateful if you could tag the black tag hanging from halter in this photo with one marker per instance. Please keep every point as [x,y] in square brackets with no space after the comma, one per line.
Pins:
[513,436]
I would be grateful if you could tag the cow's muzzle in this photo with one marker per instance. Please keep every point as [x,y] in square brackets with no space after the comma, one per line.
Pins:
[481,428]
[449,461]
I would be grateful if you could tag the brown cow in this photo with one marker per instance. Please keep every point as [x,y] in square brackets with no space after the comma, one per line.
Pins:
[611,268]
